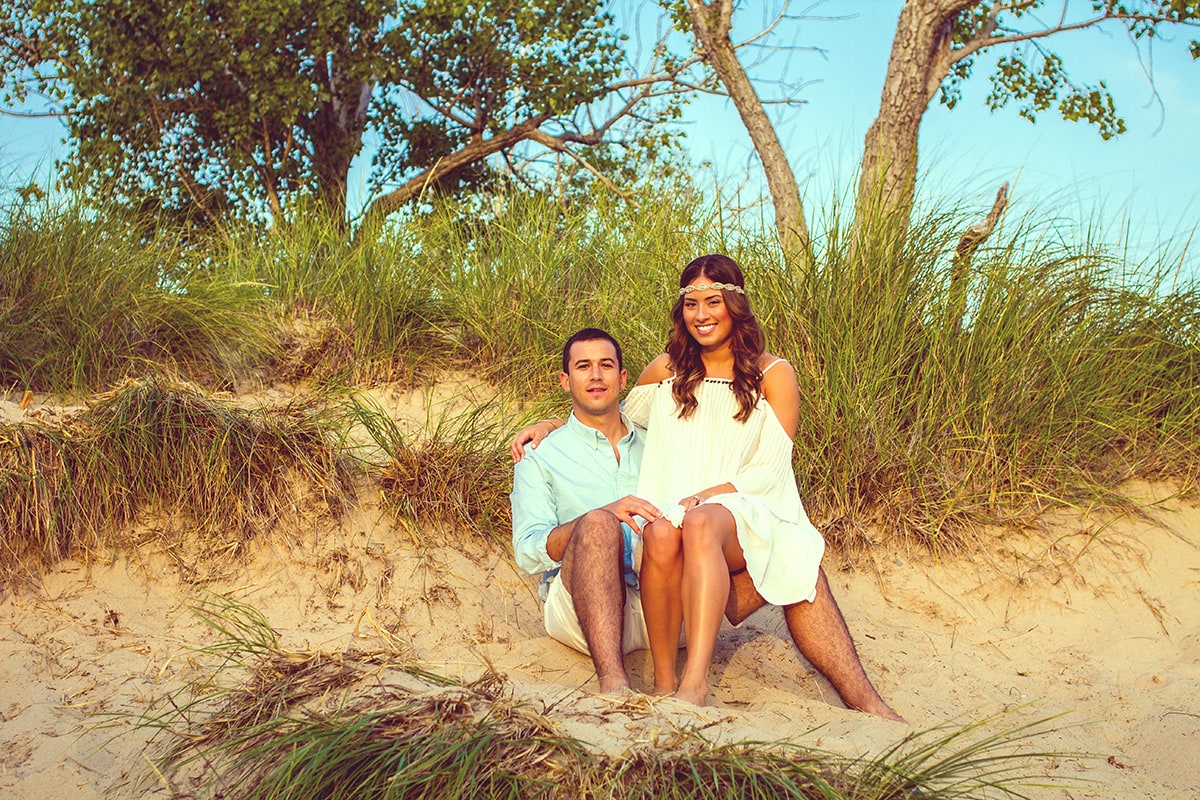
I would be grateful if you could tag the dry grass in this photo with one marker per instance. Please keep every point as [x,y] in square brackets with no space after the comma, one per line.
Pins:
[158,448]
[453,475]
[371,724]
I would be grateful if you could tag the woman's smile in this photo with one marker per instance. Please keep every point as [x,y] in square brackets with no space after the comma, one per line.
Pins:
[707,317]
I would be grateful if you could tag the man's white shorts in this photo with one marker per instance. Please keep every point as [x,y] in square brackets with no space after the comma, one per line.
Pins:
[563,624]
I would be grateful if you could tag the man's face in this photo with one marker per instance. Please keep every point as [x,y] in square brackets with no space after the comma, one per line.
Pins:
[593,378]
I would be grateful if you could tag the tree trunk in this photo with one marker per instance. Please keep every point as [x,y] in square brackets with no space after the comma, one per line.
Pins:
[336,132]
[919,62]
[711,25]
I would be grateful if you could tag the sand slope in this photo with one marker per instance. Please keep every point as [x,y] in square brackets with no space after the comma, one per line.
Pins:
[1097,623]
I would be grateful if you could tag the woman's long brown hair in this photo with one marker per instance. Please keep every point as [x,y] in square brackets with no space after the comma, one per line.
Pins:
[747,341]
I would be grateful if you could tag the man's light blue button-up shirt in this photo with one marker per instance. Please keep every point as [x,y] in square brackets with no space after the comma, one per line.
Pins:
[572,471]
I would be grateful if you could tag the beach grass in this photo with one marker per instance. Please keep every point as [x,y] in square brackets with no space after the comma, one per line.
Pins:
[1057,377]
[1051,374]
[267,722]
[344,313]
[157,449]
[451,475]
[88,299]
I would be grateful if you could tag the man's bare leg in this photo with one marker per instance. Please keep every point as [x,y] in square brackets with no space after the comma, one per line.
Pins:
[744,599]
[820,633]
[592,571]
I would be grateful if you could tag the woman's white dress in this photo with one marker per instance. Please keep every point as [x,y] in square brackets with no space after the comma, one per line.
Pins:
[685,456]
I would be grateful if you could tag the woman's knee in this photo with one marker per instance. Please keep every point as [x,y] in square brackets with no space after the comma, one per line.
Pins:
[704,530]
[660,541]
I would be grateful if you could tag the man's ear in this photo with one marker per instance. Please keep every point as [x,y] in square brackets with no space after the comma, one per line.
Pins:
[564,380]
[624,378]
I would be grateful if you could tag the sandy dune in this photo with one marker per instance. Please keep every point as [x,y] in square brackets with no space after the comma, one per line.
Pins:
[1097,625]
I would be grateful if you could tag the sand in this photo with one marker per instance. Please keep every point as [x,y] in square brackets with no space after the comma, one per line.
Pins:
[1091,622]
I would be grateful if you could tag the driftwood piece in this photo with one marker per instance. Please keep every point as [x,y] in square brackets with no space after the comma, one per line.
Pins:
[972,238]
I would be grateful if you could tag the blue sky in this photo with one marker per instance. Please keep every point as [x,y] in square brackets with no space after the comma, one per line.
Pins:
[1145,180]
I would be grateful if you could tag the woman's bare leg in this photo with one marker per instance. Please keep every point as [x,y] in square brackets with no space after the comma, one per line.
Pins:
[659,578]
[710,551]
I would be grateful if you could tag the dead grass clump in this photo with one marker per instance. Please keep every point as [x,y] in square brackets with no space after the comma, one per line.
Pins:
[371,724]
[353,724]
[313,346]
[453,475]
[152,446]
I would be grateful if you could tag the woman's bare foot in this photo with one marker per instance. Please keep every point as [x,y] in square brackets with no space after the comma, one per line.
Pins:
[693,697]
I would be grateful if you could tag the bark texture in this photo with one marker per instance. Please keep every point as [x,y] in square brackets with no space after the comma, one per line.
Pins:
[336,132]
[919,62]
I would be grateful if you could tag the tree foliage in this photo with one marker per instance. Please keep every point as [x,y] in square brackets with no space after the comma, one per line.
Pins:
[209,106]
[1033,76]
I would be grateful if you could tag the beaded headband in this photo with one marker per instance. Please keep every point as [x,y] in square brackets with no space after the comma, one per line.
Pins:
[700,287]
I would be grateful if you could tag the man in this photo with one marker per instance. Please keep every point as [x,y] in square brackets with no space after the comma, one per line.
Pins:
[574,519]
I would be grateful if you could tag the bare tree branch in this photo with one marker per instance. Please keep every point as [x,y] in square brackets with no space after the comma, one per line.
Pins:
[972,238]
[558,145]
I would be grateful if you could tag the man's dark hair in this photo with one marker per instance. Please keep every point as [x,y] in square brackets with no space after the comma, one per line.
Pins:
[590,335]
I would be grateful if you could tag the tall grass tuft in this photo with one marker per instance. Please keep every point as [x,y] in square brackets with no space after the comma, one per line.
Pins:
[520,282]
[453,474]
[1052,374]
[370,724]
[154,447]
[346,312]
[86,299]
[1060,379]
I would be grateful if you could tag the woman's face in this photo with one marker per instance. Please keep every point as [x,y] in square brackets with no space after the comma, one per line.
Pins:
[706,317]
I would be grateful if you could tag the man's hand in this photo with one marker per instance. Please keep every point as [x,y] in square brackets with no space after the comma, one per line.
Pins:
[628,507]
[530,436]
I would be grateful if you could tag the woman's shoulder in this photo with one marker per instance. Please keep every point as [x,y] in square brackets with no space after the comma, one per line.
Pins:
[770,361]
[782,392]
[656,371]
[778,375]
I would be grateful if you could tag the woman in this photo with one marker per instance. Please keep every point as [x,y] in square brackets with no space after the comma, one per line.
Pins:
[720,414]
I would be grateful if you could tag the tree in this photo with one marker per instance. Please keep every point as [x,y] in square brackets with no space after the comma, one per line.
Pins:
[212,106]
[935,49]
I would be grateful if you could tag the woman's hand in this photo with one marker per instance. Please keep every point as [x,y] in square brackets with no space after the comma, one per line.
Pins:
[531,436]
[693,500]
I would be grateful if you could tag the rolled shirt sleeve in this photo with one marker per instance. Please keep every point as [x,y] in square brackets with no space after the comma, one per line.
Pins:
[534,515]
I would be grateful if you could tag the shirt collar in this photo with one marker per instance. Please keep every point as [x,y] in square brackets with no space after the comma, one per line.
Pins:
[594,437]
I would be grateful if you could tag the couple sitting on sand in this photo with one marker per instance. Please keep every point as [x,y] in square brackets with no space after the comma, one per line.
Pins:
[683,506]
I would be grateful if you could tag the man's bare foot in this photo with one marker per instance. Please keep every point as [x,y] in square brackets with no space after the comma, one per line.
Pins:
[882,709]
[615,685]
